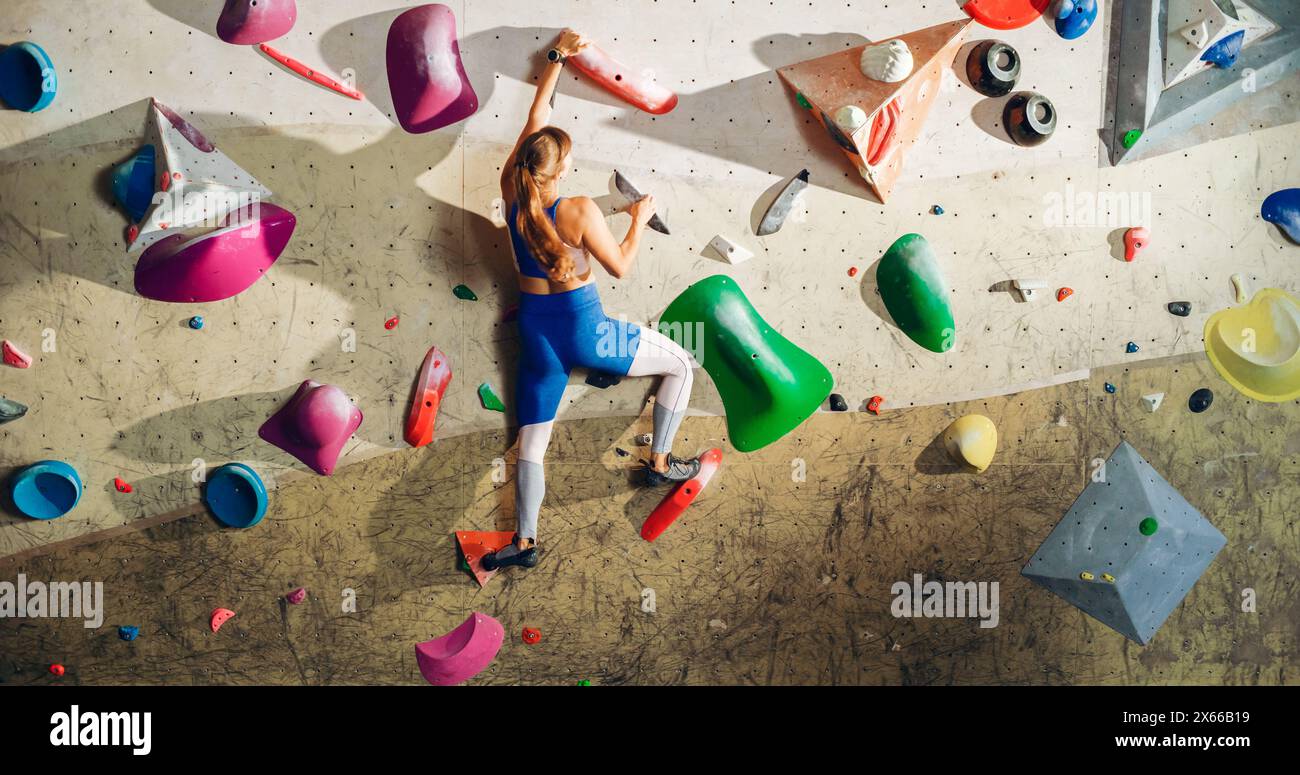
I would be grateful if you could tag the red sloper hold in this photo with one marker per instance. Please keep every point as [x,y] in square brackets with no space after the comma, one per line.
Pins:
[122,485]
[15,357]
[621,81]
[667,512]
[435,375]
[1006,14]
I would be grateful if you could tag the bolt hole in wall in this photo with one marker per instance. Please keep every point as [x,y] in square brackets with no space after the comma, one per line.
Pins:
[1029,204]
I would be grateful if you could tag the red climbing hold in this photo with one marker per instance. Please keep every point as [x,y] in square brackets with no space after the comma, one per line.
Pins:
[391,323]
[875,403]
[57,669]
[219,617]
[435,376]
[682,496]
[1005,14]
[121,485]
[132,233]
[1136,240]
[15,357]
[532,635]
[853,271]
[1064,294]
[165,182]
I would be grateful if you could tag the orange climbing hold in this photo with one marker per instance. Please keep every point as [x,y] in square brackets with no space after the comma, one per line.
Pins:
[475,544]
[853,271]
[1064,294]
[219,617]
[1005,14]
[532,635]
[875,403]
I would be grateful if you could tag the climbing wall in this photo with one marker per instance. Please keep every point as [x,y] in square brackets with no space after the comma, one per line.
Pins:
[389,222]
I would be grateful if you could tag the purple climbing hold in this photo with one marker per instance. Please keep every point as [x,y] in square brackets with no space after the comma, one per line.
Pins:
[425,74]
[297,596]
[249,22]
[314,425]
[462,653]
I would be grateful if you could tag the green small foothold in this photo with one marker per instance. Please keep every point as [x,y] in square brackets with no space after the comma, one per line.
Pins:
[803,101]
[584,682]
[464,565]
[489,399]
[1148,526]
[1131,137]
[463,292]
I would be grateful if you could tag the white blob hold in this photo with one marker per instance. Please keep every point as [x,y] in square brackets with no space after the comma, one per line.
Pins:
[890,62]
[850,118]
[1152,402]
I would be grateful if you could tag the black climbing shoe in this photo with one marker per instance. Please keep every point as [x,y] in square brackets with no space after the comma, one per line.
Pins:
[678,471]
[511,555]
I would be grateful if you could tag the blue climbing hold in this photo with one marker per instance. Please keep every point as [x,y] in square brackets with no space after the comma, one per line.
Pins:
[1282,209]
[27,77]
[937,210]
[133,183]
[1074,17]
[1224,53]
[1132,347]
[128,632]
[196,322]
[1110,388]
[236,494]
[46,490]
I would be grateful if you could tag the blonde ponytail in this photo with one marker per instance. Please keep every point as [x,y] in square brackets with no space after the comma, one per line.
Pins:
[536,167]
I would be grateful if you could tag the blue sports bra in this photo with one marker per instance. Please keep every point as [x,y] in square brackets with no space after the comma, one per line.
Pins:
[524,258]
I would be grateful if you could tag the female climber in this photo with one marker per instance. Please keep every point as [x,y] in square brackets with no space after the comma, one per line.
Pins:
[561,322]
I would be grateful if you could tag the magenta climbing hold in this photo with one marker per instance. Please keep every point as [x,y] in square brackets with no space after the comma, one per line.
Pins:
[297,596]
[216,265]
[314,425]
[425,74]
[462,653]
[1136,240]
[14,356]
[248,22]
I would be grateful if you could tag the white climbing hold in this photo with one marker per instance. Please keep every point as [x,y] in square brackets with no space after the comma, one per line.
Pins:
[1153,401]
[1029,289]
[1239,288]
[717,624]
[729,251]
[850,118]
[890,61]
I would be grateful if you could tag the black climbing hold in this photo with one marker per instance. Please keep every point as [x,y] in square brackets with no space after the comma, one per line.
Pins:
[622,452]
[838,404]
[602,379]
[1030,118]
[993,68]
[1180,308]
[1201,400]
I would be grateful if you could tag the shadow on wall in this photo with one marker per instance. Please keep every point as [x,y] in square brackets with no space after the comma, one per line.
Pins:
[202,16]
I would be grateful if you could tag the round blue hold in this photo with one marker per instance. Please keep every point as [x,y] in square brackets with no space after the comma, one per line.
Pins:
[28,80]
[937,210]
[236,495]
[196,322]
[1110,388]
[1074,17]
[1282,209]
[133,183]
[128,632]
[46,490]
[1131,348]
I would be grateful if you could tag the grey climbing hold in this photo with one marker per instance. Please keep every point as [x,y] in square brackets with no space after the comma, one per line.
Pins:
[630,191]
[602,380]
[11,410]
[1135,531]
[1180,308]
[784,204]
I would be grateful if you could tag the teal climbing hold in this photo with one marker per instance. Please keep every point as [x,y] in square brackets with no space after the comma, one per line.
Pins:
[769,386]
[463,292]
[489,398]
[916,294]
[28,80]
[46,490]
[236,495]
[11,410]
[134,183]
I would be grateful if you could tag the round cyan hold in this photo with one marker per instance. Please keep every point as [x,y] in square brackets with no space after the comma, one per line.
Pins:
[46,490]
[1201,400]
[1148,526]
[1030,118]
[28,80]
[236,495]
[196,322]
[993,68]
[128,632]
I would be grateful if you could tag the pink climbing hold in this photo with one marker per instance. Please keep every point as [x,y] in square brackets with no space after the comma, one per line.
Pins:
[247,22]
[462,653]
[219,617]
[425,74]
[297,596]
[617,78]
[217,265]
[314,425]
[1136,240]
[15,357]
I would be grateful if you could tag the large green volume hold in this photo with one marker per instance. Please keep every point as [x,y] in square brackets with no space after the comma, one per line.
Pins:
[915,293]
[768,385]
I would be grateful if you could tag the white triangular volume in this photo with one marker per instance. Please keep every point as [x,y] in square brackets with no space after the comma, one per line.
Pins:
[1191,27]
[1153,401]
[1256,24]
[729,251]
[1029,289]
[203,184]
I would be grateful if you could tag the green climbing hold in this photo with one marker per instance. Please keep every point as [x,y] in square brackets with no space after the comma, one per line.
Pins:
[464,565]
[768,385]
[1148,526]
[803,101]
[584,682]
[463,292]
[1131,137]
[489,399]
[915,293]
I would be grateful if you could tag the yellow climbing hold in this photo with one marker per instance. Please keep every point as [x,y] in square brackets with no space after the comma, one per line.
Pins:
[1108,577]
[1256,347]
[1086,576]
[972,440]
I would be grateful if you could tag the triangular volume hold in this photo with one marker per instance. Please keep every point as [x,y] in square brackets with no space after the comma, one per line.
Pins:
[475,544]
[201,184]
[875,121]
